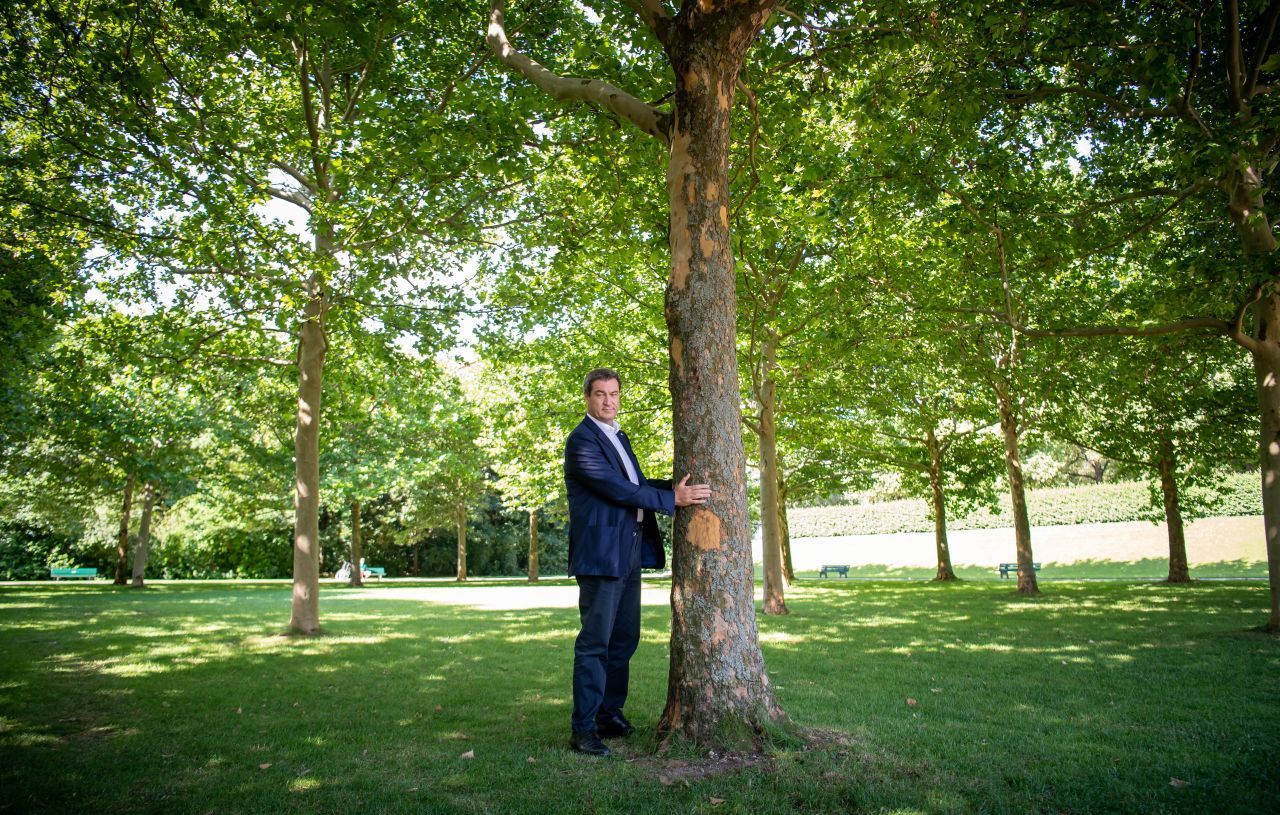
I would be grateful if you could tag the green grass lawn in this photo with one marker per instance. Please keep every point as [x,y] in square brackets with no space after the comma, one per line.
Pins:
[1096,697]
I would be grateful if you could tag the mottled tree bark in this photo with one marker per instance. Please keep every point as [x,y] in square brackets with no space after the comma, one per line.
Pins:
[1178,570]
[122,536]
[939,502]
[312,346]
[533,546]
[460,527]
[143,546]
[1017,492]
[357,573]
[718,691]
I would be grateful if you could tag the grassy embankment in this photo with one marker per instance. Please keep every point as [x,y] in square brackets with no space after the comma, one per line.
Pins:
[1079,532]
[1096,697]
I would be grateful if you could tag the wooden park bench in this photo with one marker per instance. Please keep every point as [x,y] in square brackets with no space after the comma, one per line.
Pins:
[74,573]
[375,571]
[842,570]
[1007,569]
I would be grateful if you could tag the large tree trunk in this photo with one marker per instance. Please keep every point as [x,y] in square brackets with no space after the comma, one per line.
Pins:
[718,692]
[1017,492]
[1178,571]
[144,536]
[784,527]
[357,572]
[460,526]
[771,533]
[939,501]
[533,546]
[1266,365]
[122,537]
[312,346]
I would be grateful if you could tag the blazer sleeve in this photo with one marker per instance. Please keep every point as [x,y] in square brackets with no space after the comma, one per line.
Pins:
[586,463]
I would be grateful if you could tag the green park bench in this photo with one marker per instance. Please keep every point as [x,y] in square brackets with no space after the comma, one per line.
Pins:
[1006,569]
[376,571]
[74,573]
[842,570]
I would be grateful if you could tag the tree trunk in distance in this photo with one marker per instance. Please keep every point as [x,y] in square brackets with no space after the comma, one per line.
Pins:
[784,527]
[771,533]
[533,546]
[939,501]
[312,346]
[143,546]
[1017,493]
[1178,570]
[357,573]
[122,537]
[718,692]
[460,526]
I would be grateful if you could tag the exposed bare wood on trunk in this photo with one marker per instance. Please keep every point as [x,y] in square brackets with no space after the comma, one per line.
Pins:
[1178,570]
[1017,491]
[122,536]
[771,533]
[460,527]
[718,691]
[939,502]
[533,546]
[312,346]
[143,546]
[357,573]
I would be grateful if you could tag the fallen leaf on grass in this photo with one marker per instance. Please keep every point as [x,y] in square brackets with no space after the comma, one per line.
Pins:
[1178,782]
[911,702]
[264,766]
[531,760]
[714,801]
[468,754]
[439,708]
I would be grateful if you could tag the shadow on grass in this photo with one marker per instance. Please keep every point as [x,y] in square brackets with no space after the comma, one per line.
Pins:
[956,697]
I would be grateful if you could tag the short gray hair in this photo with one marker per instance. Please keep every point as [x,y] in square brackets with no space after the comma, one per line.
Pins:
[598,375]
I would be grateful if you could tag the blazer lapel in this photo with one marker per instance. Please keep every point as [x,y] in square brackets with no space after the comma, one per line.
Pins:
[610,450]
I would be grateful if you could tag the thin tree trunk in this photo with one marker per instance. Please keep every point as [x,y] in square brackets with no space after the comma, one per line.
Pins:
[143,545]
[771,534]
[122,537]
[460,526]
[533,546]
[784,527]
[312,346]
[939,500]
[357,571]
[1178,571]
[718,691]
[1017,493]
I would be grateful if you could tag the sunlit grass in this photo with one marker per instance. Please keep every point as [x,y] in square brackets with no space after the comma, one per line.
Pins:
[1095,697]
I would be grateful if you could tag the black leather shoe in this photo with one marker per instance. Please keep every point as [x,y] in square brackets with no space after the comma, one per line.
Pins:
[589,743]
[614,726]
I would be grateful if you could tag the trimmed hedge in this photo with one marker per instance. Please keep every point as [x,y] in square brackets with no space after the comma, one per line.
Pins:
[1237,494]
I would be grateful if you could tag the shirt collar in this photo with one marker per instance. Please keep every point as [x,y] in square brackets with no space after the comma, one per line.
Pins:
[612,428]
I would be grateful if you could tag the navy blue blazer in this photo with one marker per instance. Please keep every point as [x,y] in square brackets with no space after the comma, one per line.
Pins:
[603,502]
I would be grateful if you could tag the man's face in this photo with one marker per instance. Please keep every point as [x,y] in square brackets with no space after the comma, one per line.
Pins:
[602,402]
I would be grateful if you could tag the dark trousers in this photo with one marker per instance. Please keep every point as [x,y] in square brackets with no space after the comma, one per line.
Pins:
[610,611]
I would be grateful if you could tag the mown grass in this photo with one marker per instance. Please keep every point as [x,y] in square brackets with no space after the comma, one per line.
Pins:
[1096,697]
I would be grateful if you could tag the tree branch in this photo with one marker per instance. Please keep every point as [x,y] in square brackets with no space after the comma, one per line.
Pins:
[647,118]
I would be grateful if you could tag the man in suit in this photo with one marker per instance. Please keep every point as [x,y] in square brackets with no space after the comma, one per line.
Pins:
[613,534]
